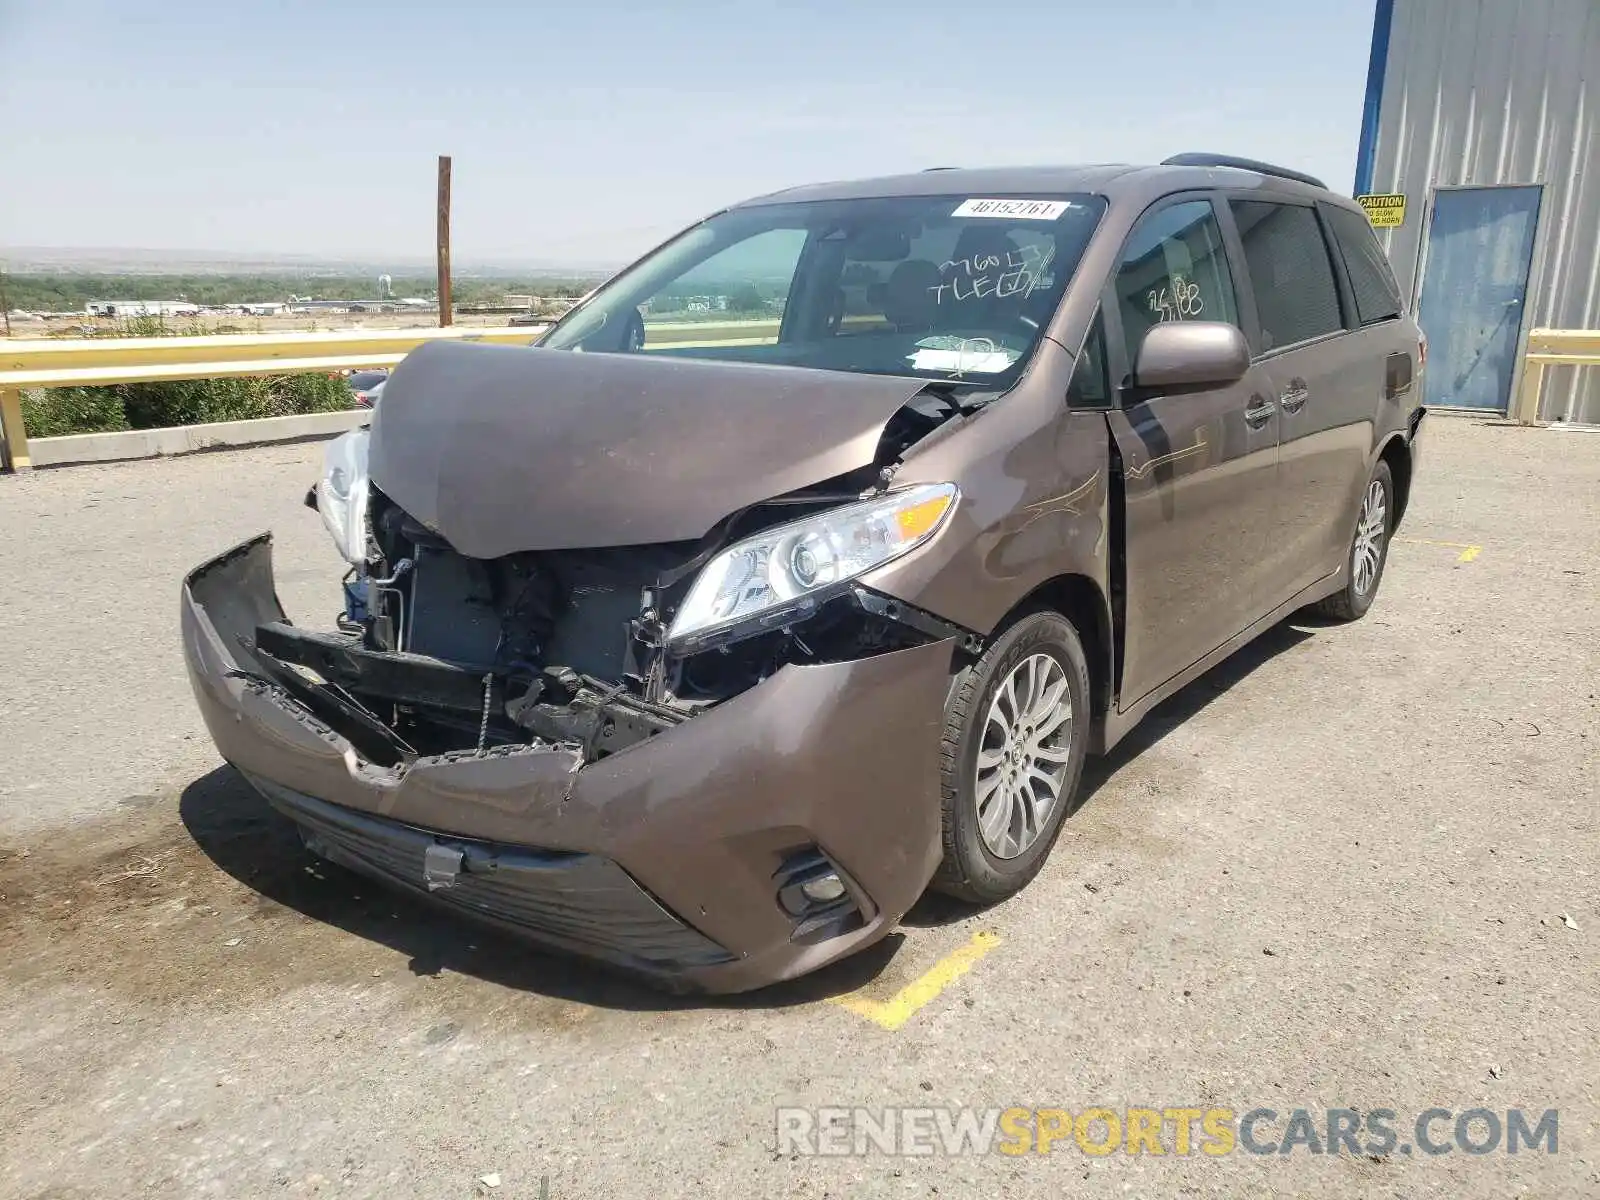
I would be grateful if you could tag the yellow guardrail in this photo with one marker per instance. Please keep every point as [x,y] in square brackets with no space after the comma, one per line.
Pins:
[1552,348]
[63,362]
[93,362]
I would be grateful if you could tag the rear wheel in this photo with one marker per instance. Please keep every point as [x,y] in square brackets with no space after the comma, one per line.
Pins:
[1369,550]
[1016,730]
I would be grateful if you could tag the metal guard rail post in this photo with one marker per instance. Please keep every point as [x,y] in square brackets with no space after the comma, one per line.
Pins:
[1551,348]
[94,362]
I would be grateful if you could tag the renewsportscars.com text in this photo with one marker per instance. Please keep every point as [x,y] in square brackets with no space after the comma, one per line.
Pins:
[1175,1130]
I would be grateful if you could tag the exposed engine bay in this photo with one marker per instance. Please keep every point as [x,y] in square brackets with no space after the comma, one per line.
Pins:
[438,651]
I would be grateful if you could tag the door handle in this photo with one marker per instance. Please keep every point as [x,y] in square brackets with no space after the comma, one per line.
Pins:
[1259,412]
[1294,396]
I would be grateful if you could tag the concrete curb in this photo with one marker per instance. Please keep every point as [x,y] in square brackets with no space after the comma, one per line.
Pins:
[186,439]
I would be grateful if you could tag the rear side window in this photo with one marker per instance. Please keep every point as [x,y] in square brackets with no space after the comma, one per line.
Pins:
[1290,271]
[1174,268]
[1371,279]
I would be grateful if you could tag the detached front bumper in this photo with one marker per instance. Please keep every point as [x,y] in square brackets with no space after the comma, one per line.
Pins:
[665,859]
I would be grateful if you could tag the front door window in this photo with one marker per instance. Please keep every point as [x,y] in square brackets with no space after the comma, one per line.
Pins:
[1174,268]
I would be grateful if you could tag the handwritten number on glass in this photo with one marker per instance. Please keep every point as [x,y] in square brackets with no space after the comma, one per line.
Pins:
[1178,301]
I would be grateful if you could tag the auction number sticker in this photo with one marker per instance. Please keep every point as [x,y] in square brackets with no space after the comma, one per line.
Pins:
[1027,210]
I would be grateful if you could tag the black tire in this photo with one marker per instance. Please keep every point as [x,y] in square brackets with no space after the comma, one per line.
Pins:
[1350,603]
[970,870]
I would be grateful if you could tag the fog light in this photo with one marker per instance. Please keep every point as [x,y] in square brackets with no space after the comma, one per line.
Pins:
[824,889]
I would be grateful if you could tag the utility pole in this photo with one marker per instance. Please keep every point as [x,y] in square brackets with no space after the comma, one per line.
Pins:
[5,305]
[444,240]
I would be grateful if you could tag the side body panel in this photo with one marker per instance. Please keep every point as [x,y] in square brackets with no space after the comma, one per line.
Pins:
[1198,467]
[1334,407]
[1324,452]
[1198,486]
[1033,478]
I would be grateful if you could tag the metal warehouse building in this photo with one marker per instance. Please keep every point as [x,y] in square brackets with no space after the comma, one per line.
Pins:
[1479,134]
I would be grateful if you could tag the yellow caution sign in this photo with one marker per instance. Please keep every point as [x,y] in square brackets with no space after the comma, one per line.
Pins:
[1385,212]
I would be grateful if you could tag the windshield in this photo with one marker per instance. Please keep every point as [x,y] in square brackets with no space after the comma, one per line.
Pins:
[946,287]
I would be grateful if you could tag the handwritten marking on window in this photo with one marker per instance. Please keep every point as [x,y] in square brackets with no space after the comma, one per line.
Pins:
[1178,301]
[1017,273]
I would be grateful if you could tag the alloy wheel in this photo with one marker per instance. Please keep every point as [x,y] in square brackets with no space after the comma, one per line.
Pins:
[1371,528]
[1024,755]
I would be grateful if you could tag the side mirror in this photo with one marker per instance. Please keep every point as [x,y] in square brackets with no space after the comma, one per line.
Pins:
[1190,354]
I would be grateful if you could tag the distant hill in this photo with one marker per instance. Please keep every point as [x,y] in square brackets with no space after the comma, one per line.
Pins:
[70,289]
[110,260]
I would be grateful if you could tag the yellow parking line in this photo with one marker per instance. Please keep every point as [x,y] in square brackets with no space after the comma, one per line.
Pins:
[1468,550]
[902,1006]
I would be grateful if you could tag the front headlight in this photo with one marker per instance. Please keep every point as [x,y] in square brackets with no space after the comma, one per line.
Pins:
[782,574]
[342,494]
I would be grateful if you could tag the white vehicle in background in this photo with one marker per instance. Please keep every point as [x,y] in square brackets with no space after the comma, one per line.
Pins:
[366,387]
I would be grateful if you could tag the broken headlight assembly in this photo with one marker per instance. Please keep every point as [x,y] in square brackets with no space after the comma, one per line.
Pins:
[342,494]
[783,574]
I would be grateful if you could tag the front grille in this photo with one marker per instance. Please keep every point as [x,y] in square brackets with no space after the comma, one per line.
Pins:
[579,902]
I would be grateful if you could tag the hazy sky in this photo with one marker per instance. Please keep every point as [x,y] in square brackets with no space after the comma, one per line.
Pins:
[584,130]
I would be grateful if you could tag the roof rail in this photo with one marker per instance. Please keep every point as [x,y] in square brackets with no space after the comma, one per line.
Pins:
[925,170]
[1203,159]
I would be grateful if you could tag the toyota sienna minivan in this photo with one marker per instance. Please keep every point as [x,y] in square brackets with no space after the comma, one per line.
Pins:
[797,569]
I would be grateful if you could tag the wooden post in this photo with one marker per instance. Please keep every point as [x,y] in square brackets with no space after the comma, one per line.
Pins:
[444,240]
[15,445]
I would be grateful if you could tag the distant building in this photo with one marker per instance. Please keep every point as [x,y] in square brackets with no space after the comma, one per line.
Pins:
[1478,161]
[269,308]
[141,308]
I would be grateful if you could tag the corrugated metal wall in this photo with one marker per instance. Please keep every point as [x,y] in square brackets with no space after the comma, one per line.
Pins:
[1502,91]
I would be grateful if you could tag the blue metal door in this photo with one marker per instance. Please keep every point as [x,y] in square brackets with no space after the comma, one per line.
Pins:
[1480,245]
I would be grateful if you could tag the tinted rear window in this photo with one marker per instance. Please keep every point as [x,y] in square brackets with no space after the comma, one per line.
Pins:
[1371,278]
[1296,296]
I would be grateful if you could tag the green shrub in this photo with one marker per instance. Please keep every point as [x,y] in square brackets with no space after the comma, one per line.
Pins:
[181,402]
[154,325]
[201,401]
[54,412]
[194,402]
[57,411]
[313,392]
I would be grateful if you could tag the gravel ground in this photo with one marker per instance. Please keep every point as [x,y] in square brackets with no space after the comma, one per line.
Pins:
[1352,867]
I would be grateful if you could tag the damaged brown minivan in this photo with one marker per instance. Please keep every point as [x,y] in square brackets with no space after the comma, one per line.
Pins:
[797,569]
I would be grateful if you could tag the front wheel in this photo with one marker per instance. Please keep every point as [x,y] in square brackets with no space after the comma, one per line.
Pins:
[1016,731]
[1369,550]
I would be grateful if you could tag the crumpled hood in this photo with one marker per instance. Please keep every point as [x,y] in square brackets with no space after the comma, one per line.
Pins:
[500,449]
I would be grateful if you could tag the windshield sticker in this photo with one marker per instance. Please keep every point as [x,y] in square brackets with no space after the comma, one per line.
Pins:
[1026,210]
[960,356]
[1016,273]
